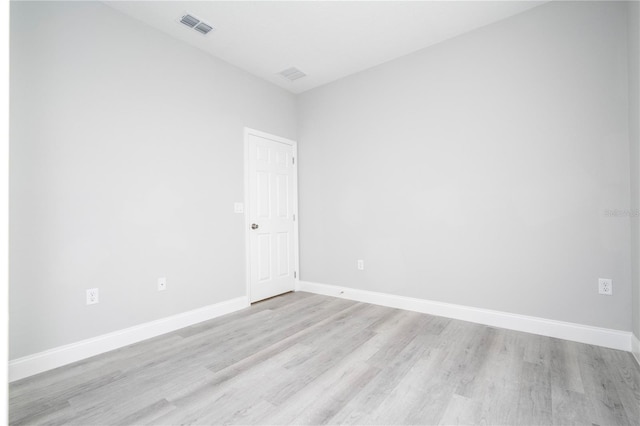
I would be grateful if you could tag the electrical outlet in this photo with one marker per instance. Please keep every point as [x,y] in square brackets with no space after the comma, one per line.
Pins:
[360,265]
[605,286]
[162,284]
[93,296]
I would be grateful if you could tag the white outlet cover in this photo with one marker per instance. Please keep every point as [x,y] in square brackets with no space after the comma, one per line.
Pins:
[238,207]
[162,284]
[360,264]
[93,296]
[605,286]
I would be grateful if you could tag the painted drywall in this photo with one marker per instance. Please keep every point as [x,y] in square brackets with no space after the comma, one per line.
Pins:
[479,171]
[633,48]
[126,159]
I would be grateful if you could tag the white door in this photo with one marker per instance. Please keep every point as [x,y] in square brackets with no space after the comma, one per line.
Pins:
[272,204]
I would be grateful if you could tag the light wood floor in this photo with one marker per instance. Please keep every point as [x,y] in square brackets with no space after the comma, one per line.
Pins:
[307,359]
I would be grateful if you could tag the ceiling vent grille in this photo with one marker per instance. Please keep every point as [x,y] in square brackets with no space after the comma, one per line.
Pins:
[196,24]
[189,21]
[292,74]
[203,28]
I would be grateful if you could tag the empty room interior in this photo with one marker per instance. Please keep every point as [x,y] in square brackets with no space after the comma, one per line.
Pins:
[324,212]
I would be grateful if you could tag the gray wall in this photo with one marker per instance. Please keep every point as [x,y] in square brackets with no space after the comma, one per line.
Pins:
[634,138]
[474,172]
[126,159]
[478,171]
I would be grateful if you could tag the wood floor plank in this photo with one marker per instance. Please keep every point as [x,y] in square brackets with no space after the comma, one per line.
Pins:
[604,402]
[534,402]
[267,352]
[497,386]
[565,369]
[307,359]
[370,398]
[272,333]
[227,398]
[397,339]
[421,397]
[128,396]
[626,379]
[329,403]
[500,391]
[431,384]
[471,370]
[320,395]
[147,415]
[569,407]
[462,411]
[308,371]
[26,410]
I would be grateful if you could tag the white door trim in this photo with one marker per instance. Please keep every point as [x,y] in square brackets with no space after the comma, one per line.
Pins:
[247,207]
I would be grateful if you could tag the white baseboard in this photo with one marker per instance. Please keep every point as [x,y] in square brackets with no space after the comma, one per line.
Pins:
[37,363]
[608,338]
[635,348]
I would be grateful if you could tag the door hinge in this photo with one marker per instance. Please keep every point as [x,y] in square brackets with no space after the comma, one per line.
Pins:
[295,274]
[293,160]
[294,217]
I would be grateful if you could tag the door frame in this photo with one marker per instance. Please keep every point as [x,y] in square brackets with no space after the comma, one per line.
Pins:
[247,206]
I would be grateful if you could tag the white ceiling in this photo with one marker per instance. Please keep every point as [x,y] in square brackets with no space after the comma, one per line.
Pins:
[327,40]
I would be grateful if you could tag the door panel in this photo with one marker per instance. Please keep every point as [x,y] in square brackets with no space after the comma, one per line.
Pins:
[271,217]
[282,195]
[264,257]
[283,254]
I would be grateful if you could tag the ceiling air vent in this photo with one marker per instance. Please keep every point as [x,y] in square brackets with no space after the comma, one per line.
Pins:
[195,23]
[292,74]
[203,28]
[189,21]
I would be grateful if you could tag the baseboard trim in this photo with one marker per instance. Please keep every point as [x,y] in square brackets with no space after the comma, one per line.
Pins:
[635,348]
[63,355]
[605,337]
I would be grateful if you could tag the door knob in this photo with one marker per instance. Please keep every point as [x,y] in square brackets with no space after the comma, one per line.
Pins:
[254,226]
